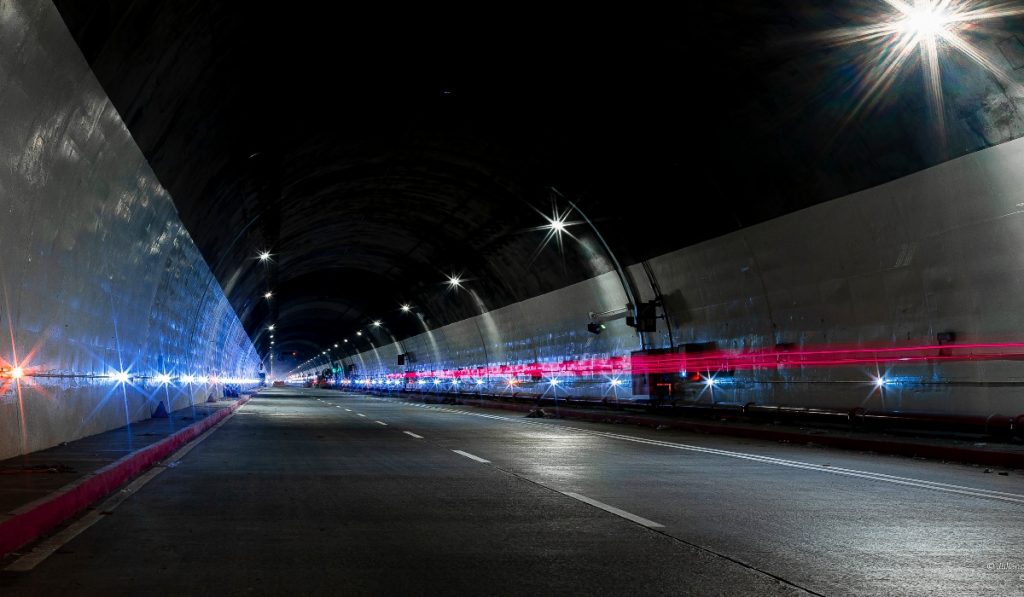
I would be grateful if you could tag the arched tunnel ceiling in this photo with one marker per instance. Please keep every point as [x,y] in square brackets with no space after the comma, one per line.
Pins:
[373,156]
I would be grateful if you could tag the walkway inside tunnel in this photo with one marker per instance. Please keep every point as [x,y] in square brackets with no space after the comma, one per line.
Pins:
[320,492]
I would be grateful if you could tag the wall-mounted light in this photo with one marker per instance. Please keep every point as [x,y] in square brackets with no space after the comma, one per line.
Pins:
[15,372]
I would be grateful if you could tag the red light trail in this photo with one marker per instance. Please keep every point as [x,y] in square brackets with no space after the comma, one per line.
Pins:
[714,361]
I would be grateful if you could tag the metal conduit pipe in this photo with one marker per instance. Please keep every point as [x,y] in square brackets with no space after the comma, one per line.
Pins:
[994,424]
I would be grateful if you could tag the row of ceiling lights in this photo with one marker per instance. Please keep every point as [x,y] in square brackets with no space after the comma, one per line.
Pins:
[454,281]
[556,226]
[405,308]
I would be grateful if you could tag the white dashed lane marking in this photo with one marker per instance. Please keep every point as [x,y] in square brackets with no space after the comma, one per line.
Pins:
[471,457]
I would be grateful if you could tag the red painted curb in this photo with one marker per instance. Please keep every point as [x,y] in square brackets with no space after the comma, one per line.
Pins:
[32,520]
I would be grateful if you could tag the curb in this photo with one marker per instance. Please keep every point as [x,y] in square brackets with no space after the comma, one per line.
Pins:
[930,451]
[32,520]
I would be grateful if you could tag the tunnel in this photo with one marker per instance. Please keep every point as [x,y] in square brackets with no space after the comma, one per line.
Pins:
[314,298]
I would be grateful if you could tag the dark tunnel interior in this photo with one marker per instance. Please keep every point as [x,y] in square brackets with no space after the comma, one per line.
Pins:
[315,298]
[374,157]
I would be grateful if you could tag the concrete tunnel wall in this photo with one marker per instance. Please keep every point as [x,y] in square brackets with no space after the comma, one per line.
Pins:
[892,266]
[97,273]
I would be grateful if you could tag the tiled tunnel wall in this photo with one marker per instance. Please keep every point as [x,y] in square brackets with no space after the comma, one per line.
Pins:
[891,267]
[97,273]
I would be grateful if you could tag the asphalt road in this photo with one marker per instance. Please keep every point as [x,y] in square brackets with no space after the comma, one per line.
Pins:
[307,492]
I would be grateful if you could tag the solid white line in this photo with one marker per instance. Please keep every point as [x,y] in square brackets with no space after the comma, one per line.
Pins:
[911,482]
[381,423]
[471,457]
[612,509]
[882,477]
[46,548]
[361,414]
[411,434]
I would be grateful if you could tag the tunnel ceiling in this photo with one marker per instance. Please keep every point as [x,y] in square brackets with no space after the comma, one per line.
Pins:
[375,154]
